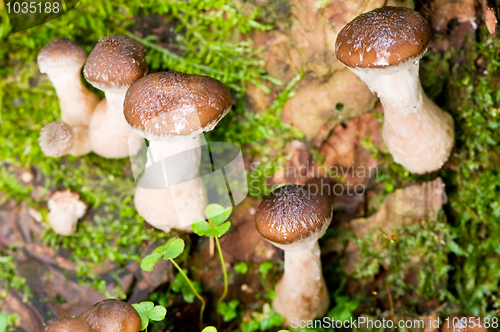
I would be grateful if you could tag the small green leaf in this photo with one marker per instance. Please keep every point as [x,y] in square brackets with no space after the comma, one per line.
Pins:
[173,248]
[3,322]
[157,313]
[265,267]
[200,228]
[217,214]
[148,311]
[241,268]
[209,329]
[219,230]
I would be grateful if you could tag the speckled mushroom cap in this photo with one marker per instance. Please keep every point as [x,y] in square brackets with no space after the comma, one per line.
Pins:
[67,324]
[112,315]
[115,61]
[60,54]
[56,139]
[291,214]
[467,326]
[383,37]
[169,104]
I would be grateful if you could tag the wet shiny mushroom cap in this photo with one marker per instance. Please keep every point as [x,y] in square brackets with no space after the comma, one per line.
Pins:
[112,316]
[383,37]
[115,61]
[168,104]
[60,54]
[67,324]
[291,213]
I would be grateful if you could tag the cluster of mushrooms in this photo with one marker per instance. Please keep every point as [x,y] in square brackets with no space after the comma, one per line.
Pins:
[106,316]
[172,110]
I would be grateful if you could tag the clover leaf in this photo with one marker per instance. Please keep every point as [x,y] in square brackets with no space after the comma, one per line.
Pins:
[148,311]
[216,225]
[209,329]
[170,250]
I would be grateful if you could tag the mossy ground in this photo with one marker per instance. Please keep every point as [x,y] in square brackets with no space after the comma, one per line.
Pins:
[461,251]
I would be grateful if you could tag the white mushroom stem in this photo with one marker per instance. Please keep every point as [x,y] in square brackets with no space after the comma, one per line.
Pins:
[109,133]
[76,101]
[418,134]
[301,293]
[65,210]
[81,143]
[185,198]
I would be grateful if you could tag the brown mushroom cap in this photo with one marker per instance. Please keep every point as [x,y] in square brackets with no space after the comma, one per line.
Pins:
[56,139]
[291,214]
[67,324]
[383,37]
[115,61]
[111,316]
[170,104]
[467,326]
[61,53]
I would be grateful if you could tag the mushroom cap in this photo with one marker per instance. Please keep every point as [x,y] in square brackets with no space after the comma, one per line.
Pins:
[65,208]
[292,214]
[383,37]
[168,104]
[112,315]
[60,54]
[67,324]
[115,61]
[56,139]
[467,326]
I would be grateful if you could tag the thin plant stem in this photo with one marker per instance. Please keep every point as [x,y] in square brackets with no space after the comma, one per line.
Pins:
[203,303]
[222,262]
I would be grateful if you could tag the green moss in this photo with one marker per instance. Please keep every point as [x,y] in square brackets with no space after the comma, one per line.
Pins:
[208,42]
[473,181]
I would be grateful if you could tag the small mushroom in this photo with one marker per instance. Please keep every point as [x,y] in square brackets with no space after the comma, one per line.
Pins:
[172,110]
[111,316]
[293,219]
[114,64]
[62,60]
[65,210]
[56,139]
[383,47]
[67,324]
[463,323]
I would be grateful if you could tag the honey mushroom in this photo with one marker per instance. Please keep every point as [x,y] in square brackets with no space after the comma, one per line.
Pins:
[114,64]
[383,47]
[62,60]
[172,110]
[293,218]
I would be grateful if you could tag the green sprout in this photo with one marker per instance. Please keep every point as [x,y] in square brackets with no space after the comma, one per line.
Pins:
[215,226]
[170,250]
[149,312]
[3,321]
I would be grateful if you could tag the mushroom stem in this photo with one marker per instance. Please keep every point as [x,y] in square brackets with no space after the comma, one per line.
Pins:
[299,294]
[108,124]
[75,100]
[418,134]
[189,156]
[185,196]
